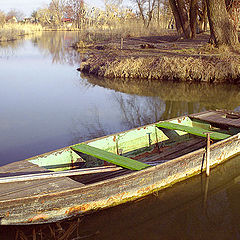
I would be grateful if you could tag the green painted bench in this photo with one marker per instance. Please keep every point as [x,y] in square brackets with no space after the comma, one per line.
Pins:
[193,130]
[110,157]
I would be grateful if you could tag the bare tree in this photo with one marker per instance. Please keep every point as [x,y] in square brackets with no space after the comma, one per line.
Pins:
[15,13]
[151,6]
[57,9]
[193,12]
[223,31]
[44,16]
[145,8]
[2,17]
[222,26]
[78,11]
[180,14]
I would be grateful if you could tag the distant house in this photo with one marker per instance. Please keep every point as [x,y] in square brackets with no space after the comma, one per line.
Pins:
[11,19]
[67,20]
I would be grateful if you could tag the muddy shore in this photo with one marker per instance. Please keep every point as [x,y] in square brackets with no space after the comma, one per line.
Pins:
[163,58]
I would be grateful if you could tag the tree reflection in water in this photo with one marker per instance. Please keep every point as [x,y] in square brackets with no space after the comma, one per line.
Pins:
[8,48]
[58,45]
[55,44]
[144,102]
[183,97]
[137,111]
[83,130]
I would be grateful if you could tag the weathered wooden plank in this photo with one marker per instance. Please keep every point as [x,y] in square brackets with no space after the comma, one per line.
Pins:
[230,114]
[217,117]
[177,150]
[93,178]
[193,130]
[110,157]
[47,175]
[31,188]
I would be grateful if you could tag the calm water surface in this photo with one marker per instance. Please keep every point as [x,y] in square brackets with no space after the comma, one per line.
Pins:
[46,104]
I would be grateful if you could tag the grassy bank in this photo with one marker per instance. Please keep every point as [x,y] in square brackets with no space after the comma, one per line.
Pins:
[14,31]
[163,58]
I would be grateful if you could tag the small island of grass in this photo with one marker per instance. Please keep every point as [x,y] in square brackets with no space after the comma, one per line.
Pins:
[163,57]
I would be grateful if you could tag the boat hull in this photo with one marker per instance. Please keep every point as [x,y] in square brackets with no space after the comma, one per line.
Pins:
[53,207]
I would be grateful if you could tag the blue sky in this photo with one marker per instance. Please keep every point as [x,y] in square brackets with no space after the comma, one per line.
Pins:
[27,6]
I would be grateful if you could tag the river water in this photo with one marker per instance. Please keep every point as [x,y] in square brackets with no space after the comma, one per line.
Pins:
[45,104]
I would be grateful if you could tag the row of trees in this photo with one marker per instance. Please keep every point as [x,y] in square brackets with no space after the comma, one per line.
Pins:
[190,16]
[222,16]
[4,17]
[76,10]
[57,10]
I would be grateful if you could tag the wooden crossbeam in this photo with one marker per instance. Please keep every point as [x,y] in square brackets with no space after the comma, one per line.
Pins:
[110,157]
[193,130]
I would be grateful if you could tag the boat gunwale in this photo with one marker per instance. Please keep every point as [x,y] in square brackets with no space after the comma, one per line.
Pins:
[130,175]
[68,148]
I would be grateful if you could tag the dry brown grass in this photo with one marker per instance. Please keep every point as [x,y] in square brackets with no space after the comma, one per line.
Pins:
[170,58]
[13,31]
[125,29]
[207,69]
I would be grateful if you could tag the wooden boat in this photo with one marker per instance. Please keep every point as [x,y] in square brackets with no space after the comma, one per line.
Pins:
[76,180]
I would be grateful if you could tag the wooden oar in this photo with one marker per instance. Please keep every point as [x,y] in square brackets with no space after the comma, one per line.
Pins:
[75,172]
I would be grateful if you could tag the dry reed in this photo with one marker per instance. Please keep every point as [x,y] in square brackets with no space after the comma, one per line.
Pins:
[13,31]
[124,29]
[182,68]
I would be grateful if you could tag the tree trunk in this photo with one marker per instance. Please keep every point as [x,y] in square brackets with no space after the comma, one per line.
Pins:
[205,20]
[158,12]
[184,17]
[181,17]
[222,29]
[193,17]
[173,6]
[140,7]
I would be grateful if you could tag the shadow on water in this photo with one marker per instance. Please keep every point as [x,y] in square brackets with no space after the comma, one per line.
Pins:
[184,211]
[187,96]
[142,102]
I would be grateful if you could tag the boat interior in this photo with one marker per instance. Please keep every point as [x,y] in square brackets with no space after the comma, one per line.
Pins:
[119,154]
[174,143]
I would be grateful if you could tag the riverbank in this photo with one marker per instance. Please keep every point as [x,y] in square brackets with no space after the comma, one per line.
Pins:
[162,57]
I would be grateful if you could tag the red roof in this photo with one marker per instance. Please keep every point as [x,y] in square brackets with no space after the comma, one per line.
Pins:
[67,20]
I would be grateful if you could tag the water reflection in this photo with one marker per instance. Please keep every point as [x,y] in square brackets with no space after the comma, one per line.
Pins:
[58,46]
[173,213]
[143,102]
[59,107]
[83,130]
[7,49]
[181,97]
[136,111]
